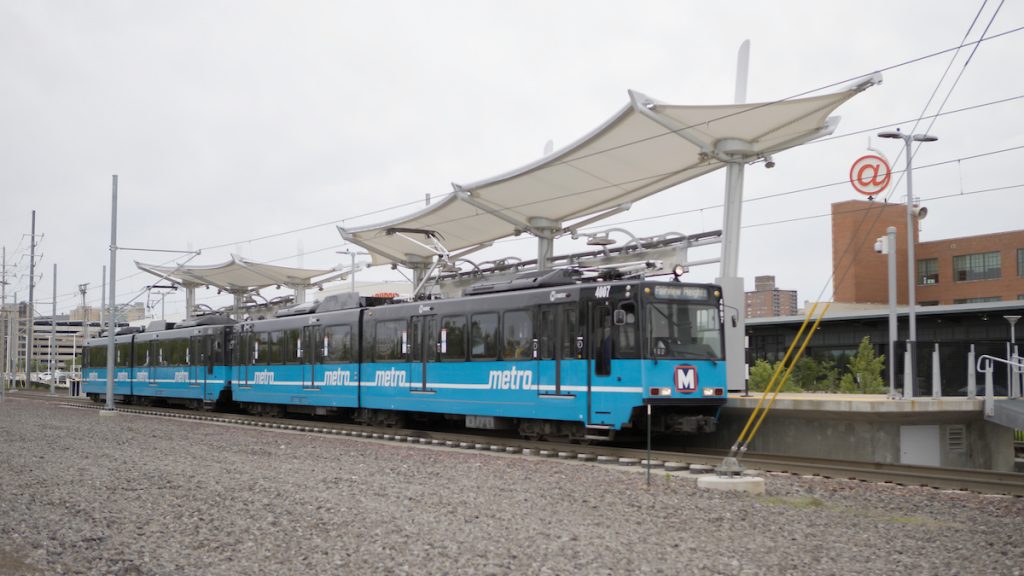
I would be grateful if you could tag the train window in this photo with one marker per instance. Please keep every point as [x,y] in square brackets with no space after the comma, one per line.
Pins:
[243,353]
[141,354]
[547,332]
[98,357]
[289,346]
[181,351]
[388,340]
[260,347]
[518,336]
[423,339]
[569,347]
[275,347]
[484,331]
[453,338]
[216,349]
[684,331]
[338,344]
[122,354]
[627,344]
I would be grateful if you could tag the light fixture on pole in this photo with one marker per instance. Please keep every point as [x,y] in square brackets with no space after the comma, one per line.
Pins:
[911,262]
[352,269]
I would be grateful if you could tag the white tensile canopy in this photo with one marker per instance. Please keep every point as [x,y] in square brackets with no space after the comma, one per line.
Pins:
[236,275]
[239,276]
[645,148]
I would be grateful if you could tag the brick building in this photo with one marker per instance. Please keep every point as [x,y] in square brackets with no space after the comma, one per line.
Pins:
[967,270]
[767,301]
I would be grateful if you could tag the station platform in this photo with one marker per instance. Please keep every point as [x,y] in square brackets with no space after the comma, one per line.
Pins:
[947,432]
[859,403]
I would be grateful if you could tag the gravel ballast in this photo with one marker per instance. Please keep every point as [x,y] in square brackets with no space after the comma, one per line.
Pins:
[130,495]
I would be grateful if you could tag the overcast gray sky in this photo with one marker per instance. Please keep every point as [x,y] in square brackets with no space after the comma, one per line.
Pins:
[228,121]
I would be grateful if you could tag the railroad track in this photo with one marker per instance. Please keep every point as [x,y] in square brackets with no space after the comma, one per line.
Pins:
[980,481]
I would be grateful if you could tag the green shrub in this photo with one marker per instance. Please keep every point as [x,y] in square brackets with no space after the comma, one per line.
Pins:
[761,374]
[864,374]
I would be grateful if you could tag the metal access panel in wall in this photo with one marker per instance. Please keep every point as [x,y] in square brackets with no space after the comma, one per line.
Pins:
[920,445]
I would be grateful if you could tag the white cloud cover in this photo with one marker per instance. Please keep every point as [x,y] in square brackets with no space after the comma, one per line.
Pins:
[227,121]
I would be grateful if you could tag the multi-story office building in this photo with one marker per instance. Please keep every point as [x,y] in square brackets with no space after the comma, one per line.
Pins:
[966,270]
[766,300]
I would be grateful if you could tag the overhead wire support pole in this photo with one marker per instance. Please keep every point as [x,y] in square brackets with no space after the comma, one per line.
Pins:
[111,322]
[31,295]
[53,332]
[4,321]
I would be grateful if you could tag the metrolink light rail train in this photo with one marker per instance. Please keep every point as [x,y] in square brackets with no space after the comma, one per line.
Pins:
[545,354]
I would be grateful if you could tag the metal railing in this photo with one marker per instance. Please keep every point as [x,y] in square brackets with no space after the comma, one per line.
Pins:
[1015,364]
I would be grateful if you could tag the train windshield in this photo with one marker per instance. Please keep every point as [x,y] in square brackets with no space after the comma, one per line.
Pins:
[683,331]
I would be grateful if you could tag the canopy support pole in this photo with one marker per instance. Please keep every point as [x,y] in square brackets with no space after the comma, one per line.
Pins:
[545,230]
[236,307]
[190,300]
[732,284]
[420,270]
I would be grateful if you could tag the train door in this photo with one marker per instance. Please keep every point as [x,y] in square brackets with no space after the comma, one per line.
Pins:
[423,346]
[555,341]
[152,362]
[310,353]
[243,358]
[197,361]
[600,358]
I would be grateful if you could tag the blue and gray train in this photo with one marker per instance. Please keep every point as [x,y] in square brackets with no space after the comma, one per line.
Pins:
[545,355]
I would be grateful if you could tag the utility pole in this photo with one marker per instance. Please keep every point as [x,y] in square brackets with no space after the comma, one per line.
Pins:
[53,332]
[109,408]
[4,319]
[12,348]
[11,358]
[31,294]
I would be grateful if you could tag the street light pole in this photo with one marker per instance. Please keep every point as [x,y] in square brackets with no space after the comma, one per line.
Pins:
[911,262]
[352,268]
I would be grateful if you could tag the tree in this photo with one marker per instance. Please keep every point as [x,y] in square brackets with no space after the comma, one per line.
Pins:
[761,374]
[865,371]
[815,376]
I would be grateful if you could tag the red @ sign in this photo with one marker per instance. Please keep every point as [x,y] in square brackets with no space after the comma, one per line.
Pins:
[870,175]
